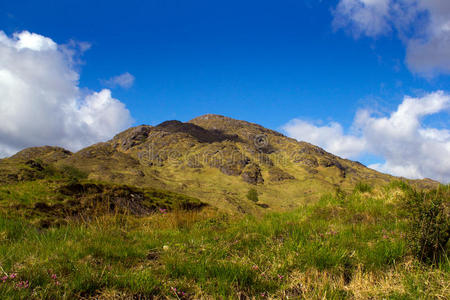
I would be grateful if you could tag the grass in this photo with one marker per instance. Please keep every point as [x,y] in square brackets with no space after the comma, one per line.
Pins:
[344,246]
[52,201]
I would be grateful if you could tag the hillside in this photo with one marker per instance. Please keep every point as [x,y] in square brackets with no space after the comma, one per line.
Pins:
[216,208]
[213,158]
[61,243]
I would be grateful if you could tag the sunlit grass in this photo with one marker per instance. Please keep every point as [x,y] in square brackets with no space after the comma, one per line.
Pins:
[340,247]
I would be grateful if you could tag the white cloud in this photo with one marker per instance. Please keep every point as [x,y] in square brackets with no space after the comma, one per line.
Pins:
[41,103]
[33,41]
[423,25]
[124,80]
[369,17]
[73,50]
[429,53]
[331,137]
[408,147]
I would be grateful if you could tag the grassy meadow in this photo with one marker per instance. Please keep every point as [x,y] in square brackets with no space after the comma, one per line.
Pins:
[384,243]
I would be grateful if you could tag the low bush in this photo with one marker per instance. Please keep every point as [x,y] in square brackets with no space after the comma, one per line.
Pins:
[73,174]
[363,187]
[252,195]
[429,226]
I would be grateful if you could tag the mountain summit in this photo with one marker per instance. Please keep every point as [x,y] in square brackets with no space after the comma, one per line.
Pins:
[216,159]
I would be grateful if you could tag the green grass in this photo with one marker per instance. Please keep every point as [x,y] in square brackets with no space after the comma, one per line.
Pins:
[51,201]
[340,247]
[363,187]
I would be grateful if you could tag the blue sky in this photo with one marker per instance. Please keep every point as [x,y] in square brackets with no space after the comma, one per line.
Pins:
[268,62]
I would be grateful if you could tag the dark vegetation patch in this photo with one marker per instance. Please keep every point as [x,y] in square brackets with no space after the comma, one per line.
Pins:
[252,195]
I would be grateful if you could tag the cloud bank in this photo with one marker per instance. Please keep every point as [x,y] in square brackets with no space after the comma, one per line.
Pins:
[409,148]
[423,26]
[41,102]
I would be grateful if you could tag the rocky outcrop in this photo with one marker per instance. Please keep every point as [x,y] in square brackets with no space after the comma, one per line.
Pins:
[134,137]
[252,174]
[201,134]
[306,160]
[277,175]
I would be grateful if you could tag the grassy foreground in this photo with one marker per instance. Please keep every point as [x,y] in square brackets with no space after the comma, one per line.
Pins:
[345,246]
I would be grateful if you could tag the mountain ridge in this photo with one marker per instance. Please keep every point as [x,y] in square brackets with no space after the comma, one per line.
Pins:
[218,160]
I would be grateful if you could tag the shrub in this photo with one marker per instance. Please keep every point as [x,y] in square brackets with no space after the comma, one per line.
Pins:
[340,195]
[429,225]
[252,195]
[363,187]
[73,174]
[399,184]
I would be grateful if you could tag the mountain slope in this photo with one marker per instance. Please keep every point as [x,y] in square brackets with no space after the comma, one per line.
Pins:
[218,160]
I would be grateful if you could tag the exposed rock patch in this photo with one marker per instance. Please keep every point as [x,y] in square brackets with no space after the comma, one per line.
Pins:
[277,175]
[306,160]
[201,134]
[135,137]
[252,174]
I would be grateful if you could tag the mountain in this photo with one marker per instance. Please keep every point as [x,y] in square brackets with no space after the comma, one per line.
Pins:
[213,158]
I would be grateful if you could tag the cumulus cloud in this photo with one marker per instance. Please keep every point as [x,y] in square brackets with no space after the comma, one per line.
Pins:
[423,25]
[124,80]
[41,102]
[429,53]
[330,137]
[369,17]
[408,148]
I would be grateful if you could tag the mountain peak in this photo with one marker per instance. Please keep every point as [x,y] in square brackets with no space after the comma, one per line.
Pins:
[211,116]
[216,159]
[229,125]
[212,120]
